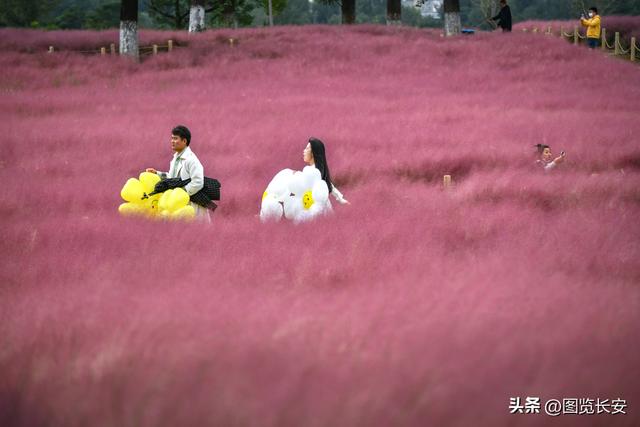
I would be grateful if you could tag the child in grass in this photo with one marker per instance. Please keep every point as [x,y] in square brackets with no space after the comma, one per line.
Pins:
[545,158]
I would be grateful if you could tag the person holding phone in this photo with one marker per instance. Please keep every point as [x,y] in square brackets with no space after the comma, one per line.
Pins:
[593,27]
[545,158]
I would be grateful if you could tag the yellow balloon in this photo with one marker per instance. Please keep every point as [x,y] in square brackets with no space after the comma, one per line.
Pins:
[165,214]
[164,199]
[132,191]
[178,199]
[151,206]
[148,181]
[131,209]
[186,212]
[307,200]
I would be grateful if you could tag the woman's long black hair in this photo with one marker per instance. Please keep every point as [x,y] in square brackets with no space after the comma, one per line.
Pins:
[320,160]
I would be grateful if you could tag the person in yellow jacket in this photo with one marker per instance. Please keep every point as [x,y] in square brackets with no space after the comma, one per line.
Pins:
[593,27]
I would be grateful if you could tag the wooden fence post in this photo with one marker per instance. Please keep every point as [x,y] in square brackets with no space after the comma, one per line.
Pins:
[170,45]
[50,49]
[549,30]
[632,48]
[103,51]
[617,44]
[113,48]
[575,35]
[603,41]
[155,49]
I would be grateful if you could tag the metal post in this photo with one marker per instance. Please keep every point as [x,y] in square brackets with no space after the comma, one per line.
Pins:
[170,45]
[632,48]
[50,49]
[155,49]
[103,51]
[603,42]
[617,44]
[113,48]
[575,35]
[270,14]
[446,181]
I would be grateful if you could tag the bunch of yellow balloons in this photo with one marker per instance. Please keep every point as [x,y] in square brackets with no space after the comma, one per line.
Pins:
[172,204]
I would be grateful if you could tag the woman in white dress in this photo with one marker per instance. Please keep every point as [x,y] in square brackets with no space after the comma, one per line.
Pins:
[314,155]
[301,195]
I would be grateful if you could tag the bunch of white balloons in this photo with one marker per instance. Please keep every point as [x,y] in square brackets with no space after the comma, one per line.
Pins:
[294,195]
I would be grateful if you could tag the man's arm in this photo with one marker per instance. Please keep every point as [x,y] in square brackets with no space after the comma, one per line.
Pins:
[593,22]
[159,173]
[196,173]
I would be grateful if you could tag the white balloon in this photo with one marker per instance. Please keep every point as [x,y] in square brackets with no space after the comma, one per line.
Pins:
[279,190]
[271,209]
[284,173]
[316,209]
[283,176]
[303,216]
[311,175]
[297,184]
[320,192]
[292,207]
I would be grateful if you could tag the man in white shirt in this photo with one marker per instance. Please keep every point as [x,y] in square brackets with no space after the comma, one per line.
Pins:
[185,165]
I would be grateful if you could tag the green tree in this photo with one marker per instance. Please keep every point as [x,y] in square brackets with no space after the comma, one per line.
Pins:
[72,18]
[232,13]
[296,12]
[277,6]
[220,13]
[26,13]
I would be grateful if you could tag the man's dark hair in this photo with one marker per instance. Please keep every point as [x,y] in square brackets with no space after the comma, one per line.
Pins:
[595,10]
[503,1]
[182,132]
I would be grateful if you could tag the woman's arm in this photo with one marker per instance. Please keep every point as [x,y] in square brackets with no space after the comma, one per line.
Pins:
[338,196]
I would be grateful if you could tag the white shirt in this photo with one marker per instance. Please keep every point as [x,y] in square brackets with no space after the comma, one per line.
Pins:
[547,166]
[185,165]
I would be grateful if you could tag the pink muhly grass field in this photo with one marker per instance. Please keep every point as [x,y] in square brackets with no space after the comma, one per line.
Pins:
[412,306]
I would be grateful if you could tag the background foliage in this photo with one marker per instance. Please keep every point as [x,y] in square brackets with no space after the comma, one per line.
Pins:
[101,14]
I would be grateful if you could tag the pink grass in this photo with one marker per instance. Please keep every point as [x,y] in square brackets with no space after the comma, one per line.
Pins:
[412,306]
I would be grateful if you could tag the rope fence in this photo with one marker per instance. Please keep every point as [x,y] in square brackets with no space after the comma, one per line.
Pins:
[615,49]
[618,49]
[142,50]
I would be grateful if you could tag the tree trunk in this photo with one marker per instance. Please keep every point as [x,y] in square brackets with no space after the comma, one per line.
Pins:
[451,17]
[178,15]
[348,11]
[196,16]
[129,28]
[394,12]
